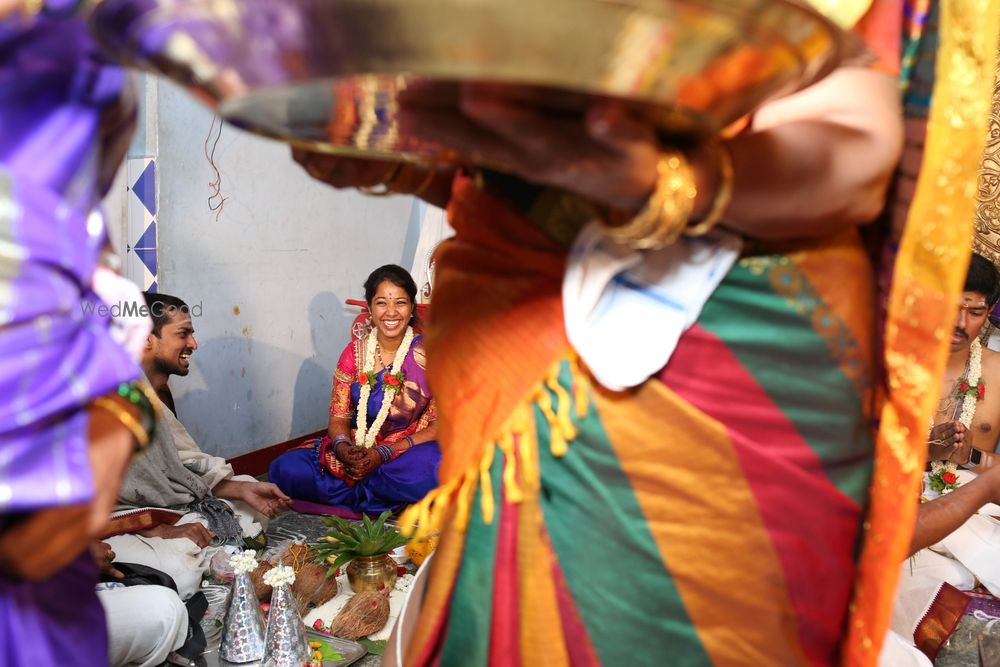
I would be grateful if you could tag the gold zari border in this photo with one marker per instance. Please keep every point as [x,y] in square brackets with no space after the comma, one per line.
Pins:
[929,274]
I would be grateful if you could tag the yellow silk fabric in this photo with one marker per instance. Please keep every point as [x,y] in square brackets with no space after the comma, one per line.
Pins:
[929,274]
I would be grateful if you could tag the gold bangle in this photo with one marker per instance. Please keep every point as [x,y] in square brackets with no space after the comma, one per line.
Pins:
[126,419]
[386,182]
[668,210]
[723,195]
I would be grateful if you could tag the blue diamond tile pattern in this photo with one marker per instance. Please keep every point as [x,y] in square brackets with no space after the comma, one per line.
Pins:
[141,260]
[148,257]
[145,187]
[148,238]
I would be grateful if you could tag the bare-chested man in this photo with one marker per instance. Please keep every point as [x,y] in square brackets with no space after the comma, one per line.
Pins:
[974,447]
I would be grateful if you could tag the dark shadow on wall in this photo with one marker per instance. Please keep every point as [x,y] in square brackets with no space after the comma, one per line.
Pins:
[236,393]
[232,399]
[329,327]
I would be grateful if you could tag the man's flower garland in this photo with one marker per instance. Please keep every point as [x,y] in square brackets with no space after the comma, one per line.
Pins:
[971,388]
[943,477]
[393,382]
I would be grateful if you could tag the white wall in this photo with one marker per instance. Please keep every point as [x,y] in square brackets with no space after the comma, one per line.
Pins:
[271,275]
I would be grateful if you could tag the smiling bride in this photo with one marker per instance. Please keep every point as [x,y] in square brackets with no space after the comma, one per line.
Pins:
[380,451]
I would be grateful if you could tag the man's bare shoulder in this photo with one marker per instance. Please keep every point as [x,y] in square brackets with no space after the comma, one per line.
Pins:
[991,365]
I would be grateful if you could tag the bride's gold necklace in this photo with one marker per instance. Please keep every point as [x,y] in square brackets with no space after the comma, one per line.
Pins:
[380,355]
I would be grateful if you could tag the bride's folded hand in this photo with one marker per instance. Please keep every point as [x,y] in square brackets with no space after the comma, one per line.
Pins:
[349,454]
[364,465]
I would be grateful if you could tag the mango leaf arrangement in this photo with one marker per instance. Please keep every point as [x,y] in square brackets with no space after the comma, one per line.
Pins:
[346,541]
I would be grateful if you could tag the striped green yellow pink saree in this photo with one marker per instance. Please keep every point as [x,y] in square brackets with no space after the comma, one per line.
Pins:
[710,516]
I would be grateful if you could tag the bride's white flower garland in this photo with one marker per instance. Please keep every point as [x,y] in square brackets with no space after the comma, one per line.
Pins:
[972,378]
[365,436]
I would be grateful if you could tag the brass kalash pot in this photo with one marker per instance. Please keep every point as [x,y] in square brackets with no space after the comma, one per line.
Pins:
[332,74]
[372,573]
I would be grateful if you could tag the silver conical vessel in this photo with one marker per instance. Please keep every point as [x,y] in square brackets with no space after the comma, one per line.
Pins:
[285,642]
[243,628]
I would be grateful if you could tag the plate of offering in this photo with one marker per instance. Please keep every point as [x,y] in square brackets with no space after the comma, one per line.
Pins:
[339,75]
[328,651]
[324,651]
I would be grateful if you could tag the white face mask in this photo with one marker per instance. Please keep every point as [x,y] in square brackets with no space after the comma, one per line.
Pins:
[128,329]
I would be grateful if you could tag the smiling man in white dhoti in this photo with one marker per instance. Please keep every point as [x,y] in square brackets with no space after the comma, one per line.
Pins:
[215,507]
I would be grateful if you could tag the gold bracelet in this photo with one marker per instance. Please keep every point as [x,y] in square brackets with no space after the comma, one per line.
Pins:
[723,195]
[667,212]
[126,419]
[385,183]
[151,410]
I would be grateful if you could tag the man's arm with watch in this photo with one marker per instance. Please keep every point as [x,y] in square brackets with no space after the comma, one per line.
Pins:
[971,458]
[979,461]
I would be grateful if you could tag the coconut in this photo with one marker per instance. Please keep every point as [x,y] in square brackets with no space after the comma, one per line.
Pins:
[363,614]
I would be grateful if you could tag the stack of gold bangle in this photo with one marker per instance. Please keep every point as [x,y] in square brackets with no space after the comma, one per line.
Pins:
[663,219]
[723,195]
[667,213]
[125,418]
[140,395]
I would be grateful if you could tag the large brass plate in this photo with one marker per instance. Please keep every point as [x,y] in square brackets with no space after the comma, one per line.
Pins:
[330,73]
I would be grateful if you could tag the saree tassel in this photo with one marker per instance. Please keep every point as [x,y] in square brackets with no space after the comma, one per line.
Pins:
[518,437]
[425,519]
[463,503]
[486,484]
[563,404]
[526,453]
[579,385]
[557,442]
[408,521]
[418,520]
[511,487]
